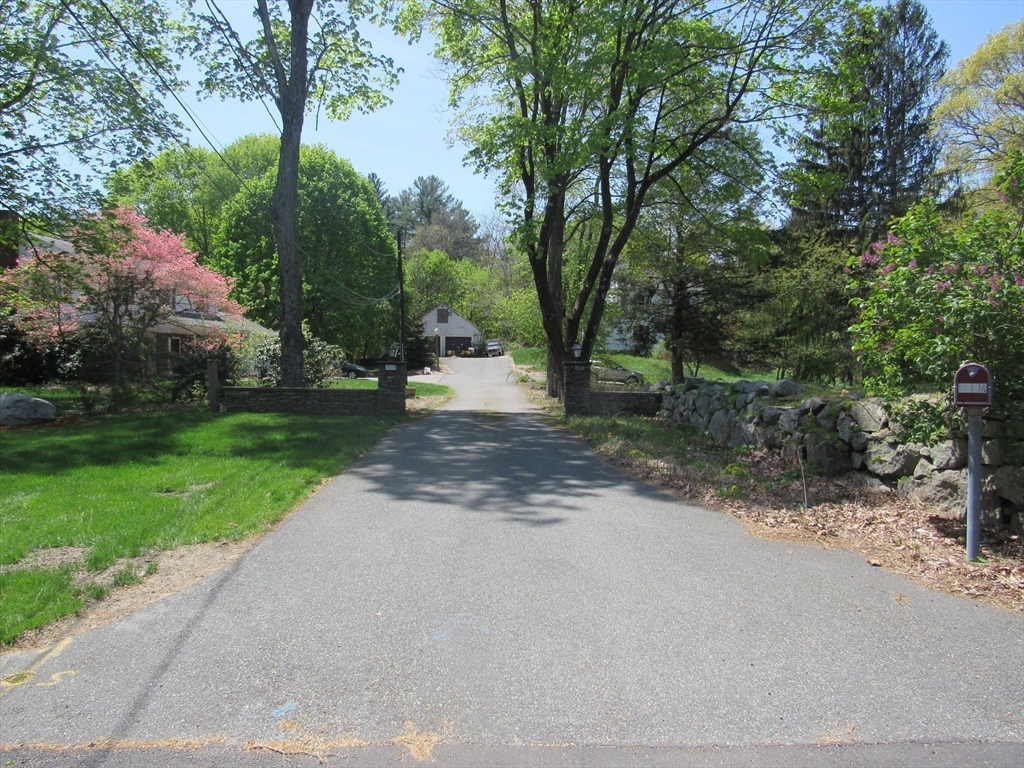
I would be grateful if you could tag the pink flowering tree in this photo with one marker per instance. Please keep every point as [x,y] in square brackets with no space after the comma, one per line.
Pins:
[936,294]
[121,279]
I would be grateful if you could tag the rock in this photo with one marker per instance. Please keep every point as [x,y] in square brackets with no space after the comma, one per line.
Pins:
[844,427]
[698,421]
[703,405]
[947,490]
[720,426]
[17,409]
[812,405]
[789,421]
[992,453]
[741,386]
[993,428]
[1008,482]
[718,399]
[771,414]
[1017,524]
[827,453]
[786,387]
[891,460]
[857,460]
[872,483]
[693,382]
[827,418]
[950,454]
[741,433]
[924,468]
[742,400]
[770,437]
[869,415]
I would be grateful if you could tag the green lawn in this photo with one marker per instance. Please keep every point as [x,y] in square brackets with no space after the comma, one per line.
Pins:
[122,485]
[654,369]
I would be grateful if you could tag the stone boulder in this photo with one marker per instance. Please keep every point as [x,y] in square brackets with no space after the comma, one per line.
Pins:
[946,490]
[789,421]
[950,454]
[869,415]
[1009,484]
[771,414]
[891,460]
[827,453]
[720,426]
[786,387]
[17,409]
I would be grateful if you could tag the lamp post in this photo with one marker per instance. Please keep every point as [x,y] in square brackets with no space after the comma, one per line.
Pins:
[577,349]
[437,347]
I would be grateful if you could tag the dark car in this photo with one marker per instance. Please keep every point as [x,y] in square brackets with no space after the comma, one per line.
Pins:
[353,371]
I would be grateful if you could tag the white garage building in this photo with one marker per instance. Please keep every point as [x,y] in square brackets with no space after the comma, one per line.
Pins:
[454,333]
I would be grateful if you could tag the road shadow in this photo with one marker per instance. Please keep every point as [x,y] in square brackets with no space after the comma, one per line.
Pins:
[512,465]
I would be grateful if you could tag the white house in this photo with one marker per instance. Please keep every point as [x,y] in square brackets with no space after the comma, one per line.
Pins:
[453,333]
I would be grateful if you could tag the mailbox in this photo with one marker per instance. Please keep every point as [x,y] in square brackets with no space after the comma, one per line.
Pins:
[972,385]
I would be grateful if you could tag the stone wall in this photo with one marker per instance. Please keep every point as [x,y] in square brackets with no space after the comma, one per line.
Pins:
[849,434]
[629,403]
[389,397]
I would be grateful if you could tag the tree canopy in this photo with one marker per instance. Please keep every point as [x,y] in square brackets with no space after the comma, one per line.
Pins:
[582,109]
[346,251]
[77,81]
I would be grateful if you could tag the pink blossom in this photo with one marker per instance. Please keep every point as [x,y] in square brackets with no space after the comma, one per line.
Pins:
[994,301]
[942,285]
[993,282]
[893,240]
[1018,279]
[913,263]
[980,270]
[877,247]
[868,258]
[881,284]
[956,266]
[930,271]
[887,269]
[847,270]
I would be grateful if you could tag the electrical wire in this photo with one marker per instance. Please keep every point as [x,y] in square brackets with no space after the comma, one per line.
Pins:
[355,298]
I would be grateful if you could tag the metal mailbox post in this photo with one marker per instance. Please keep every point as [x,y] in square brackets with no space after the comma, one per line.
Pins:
[973,390]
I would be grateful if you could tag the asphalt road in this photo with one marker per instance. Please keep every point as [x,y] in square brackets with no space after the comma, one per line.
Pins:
[479,582]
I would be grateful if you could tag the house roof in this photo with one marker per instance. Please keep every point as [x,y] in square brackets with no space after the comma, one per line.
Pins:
[432,313]
[193,324]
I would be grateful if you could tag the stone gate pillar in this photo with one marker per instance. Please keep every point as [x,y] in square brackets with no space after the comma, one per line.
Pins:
[577,387]
[391,381]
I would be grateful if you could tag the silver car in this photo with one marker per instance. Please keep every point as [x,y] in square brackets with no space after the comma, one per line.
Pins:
[617,374]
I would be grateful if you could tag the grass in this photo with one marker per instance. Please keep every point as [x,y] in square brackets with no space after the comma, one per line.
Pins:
[123,485]
[654,369]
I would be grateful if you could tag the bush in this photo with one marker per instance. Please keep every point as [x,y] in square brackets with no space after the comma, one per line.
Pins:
[935,295]
[190,367]
[261,359]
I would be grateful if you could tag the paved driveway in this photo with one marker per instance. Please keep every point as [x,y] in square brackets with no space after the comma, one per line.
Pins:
[479,579]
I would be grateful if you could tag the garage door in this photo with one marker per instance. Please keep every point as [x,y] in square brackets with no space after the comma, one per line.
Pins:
[457,344]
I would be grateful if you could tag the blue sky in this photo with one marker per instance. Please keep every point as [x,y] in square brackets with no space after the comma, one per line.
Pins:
[409,138]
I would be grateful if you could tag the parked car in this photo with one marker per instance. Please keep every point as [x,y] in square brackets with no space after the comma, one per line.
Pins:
[353,371]
[494,348]
[618,374]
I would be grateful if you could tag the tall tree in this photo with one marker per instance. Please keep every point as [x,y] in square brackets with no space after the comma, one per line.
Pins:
[433,219]
[184,189]
[346,254]
[867,155]
[582,108]
[77,81]
[333,68]
[980,119]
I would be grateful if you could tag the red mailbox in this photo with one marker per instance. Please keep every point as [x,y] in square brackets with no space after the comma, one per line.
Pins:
[972,385]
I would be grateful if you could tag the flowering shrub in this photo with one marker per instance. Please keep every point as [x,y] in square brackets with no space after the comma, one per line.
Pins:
[935,295]
[190,367]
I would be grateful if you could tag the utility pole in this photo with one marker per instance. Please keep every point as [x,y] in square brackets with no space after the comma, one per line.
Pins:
[401,299]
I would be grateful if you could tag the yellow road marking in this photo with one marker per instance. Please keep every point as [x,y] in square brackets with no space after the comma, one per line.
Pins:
[56,676]
[20,678]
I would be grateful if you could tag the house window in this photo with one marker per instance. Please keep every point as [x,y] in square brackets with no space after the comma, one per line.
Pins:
[442,314]
[174,345]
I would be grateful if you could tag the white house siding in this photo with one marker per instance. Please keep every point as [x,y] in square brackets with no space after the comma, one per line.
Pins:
[456,327]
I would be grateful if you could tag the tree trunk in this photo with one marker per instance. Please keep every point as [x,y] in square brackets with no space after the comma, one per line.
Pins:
[285,203]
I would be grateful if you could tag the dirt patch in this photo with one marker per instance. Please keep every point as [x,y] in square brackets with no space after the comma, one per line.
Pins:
[50,558]
[175,569]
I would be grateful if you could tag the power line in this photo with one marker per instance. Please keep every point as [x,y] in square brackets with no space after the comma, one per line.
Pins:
[359,298]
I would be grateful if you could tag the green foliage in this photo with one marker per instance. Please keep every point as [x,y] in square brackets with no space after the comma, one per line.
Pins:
[981,116]
[128,484]
[73,94]
[347,253]
[261,359]
[800,325]
[937,294]
[190,367]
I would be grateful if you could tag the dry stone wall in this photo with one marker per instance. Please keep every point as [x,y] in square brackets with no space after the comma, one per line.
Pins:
[846,434]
